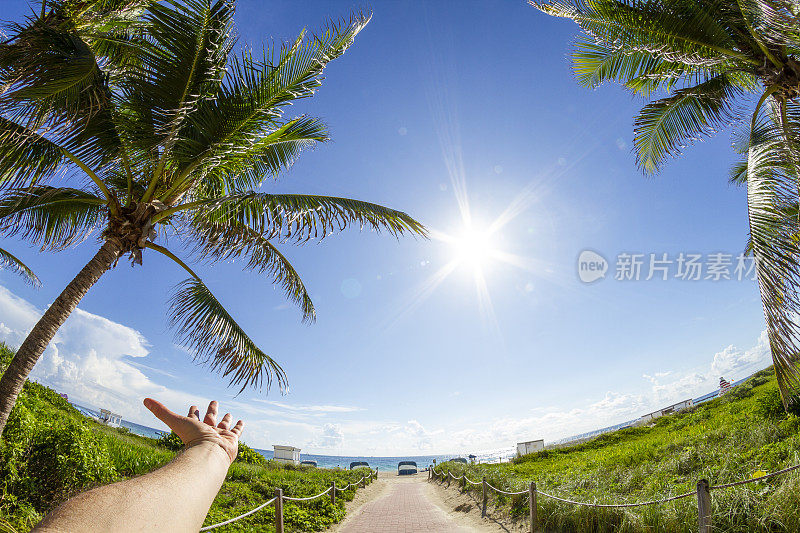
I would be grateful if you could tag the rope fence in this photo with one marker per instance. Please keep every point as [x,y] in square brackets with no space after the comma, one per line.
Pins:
[280,498]
[703,494]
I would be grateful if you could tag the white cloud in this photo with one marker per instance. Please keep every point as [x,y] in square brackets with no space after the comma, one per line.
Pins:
[731,360]
[331,436]
[88,360]
[310,408]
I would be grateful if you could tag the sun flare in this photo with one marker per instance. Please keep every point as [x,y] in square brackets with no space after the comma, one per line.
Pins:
[473,247]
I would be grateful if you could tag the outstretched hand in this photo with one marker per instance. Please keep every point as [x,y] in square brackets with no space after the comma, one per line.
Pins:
[193,431]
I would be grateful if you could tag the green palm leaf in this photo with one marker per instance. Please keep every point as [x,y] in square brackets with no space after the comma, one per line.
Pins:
[243,161]
[682,31]
[247,111]
[231,241]
[665,126]
[775,246]
[52,217]
[204,326]
[190,43]
[301,217]
[642,72]
[52,82]
[26,156]
[9,262]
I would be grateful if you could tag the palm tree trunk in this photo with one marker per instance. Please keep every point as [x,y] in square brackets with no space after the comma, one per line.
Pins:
[42,333]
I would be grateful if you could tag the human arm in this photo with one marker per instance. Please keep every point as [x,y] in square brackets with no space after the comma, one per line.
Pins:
[175,497]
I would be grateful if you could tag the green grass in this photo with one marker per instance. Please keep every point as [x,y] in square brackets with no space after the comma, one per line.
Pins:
[49,451]
[731,438]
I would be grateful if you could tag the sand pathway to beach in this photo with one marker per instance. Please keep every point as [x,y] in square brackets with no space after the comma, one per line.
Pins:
[405,504]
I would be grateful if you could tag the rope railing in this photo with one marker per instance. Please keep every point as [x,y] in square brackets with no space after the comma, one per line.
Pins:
[323,493]
[232,520]
[613,505]
[506,493]
[703,494]
[280,498]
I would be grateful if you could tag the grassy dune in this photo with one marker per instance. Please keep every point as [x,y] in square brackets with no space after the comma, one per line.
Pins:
[49,451]
[741,435]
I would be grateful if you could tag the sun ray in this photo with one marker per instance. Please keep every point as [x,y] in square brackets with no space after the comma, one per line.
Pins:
[425,289]
[485,303]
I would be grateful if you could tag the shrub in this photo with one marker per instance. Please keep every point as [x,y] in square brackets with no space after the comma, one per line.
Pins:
[170,441]
[250,456]
[769,405]
[63,458]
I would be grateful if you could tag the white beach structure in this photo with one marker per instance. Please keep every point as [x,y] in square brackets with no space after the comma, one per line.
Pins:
[674,408]
[286,454]
[110,419]
[532,446]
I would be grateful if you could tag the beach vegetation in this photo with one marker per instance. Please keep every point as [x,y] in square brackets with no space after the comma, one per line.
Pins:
[743,434]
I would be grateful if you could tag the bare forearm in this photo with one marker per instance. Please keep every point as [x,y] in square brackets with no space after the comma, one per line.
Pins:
[175,497]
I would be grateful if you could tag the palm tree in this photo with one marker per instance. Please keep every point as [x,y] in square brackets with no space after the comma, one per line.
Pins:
[171,133]
[704,65]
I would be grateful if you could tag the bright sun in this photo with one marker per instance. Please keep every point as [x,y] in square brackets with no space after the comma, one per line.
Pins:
[473,247]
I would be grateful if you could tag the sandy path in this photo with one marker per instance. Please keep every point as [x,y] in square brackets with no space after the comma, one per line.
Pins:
[407,504]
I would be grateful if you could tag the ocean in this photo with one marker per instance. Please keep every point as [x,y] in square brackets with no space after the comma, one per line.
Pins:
[385,464]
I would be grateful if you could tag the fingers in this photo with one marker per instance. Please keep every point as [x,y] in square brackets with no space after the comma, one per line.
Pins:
[225,423]
[211,414]
[194,412]
[161,412]
[237,429]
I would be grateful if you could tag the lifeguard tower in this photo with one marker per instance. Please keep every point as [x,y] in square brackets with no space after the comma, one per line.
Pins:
[286,454]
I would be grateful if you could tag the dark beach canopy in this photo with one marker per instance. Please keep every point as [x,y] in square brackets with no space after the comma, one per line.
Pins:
[356,464]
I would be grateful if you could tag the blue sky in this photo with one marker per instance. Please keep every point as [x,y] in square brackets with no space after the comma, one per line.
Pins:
[389,367]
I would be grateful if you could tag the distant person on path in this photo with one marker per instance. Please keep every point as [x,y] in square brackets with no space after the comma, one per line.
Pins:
[174,498]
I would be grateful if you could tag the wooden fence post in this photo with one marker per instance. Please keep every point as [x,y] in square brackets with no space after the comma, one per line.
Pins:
[449,477]
[429,472]
[333,493]
[278,510]
[485,497]
[704,506]
[532,505]
[363,481]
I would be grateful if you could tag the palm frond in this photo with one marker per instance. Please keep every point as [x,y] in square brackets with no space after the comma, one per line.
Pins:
[250,103]
[50,81]
[26,156]
[9,262]
[775,247]
[664,127]
[190,44]
[642,72]
[763,134]
[677,30]
[52,217]
[301,217]
[244,162]
[773,23]
[230,241]
[113,29]
[204,326]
